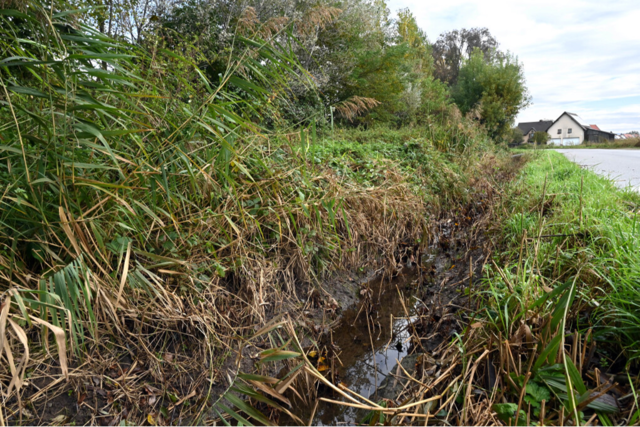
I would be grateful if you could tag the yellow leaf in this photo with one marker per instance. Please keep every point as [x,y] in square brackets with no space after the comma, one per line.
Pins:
[151,420]
[313,353]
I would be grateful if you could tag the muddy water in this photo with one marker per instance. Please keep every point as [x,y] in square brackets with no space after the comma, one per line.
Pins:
[364,367]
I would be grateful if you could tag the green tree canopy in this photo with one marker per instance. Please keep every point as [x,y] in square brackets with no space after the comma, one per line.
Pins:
[541,137]
[494,90]
[515,136]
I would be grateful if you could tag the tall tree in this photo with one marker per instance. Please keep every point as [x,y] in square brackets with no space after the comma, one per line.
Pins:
[453,47]
[495,91]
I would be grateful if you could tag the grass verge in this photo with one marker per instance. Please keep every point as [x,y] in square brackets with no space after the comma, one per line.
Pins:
[622,144]
[562,299]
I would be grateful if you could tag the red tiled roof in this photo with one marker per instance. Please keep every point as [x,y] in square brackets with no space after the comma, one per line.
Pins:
[594,127]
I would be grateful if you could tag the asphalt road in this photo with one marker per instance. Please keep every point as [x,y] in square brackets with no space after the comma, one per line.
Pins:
[623,166]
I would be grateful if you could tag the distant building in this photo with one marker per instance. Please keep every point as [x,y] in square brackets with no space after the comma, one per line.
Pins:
[570,129]
[627,136]
[530,128]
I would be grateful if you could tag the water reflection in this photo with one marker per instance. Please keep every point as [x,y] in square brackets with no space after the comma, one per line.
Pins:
[359,371]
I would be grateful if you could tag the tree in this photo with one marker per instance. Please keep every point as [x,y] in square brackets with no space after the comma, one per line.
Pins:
[332,40]
[495,90]
[454,47]
[515,136]
[541,137]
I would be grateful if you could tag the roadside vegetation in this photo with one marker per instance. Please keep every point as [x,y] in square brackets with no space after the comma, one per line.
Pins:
[174,180]
[563,300]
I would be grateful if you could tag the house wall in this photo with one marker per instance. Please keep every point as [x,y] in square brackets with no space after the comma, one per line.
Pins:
[563,125]
[593,135]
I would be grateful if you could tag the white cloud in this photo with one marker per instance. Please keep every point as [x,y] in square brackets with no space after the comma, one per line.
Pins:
[575,52]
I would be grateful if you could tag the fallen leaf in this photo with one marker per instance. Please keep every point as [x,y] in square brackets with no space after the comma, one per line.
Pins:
[322,366]
[60,419]
[476,325]
[151,420]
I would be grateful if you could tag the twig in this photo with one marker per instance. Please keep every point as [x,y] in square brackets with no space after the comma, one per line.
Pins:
[524,387]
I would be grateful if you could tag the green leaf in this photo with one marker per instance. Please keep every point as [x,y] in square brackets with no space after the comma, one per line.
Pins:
[505,409]
[576,378]
[549,353]
[234,414]
[538,392]
[88,166]
[259,378]
[248,409]
[16,13]
[27,91]
[271,356]
[91,129]
[561,307]
[10,149]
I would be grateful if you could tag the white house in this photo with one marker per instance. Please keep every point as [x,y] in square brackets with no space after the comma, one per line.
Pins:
[570,129]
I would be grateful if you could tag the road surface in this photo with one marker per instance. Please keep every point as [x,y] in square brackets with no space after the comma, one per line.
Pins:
[623,166]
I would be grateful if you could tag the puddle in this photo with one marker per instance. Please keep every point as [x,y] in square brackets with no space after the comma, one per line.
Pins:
[363,370]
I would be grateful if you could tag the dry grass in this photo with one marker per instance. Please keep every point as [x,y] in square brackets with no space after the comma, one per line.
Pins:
[177,340]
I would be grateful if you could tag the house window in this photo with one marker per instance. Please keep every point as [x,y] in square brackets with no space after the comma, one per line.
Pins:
[569,131]
[559,131]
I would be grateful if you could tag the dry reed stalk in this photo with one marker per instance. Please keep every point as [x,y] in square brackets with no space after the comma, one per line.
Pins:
[467,397]
[522,392]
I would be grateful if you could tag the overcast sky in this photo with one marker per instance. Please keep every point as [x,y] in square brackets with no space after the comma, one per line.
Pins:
[581,56]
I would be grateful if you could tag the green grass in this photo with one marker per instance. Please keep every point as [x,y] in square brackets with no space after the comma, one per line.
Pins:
[567,281]
[599,235]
